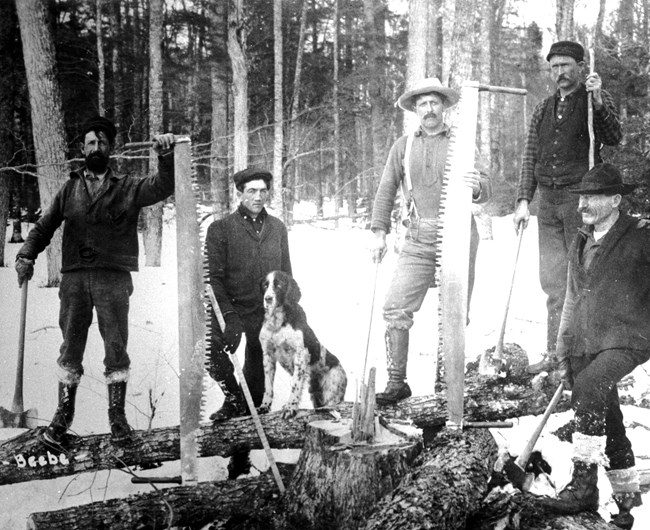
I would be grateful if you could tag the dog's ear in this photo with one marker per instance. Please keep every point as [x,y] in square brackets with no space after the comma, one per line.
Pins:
[293,291]
[264,283]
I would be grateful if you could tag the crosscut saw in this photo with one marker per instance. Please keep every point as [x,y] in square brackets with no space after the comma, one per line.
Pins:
[453,246]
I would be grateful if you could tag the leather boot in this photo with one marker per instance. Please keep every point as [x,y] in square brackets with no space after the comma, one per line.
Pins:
[627,495]
[64,414]
[397,349]
[116,415]
[579,495]
[233,406]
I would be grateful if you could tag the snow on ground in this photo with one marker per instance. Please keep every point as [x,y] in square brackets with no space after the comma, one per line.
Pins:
[337,279]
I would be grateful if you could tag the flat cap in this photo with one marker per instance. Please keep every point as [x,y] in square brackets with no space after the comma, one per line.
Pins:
[567,48]
[99,123]
[252,173]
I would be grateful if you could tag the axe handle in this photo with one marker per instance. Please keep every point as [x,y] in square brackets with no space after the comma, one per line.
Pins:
[522,459]
[18,405]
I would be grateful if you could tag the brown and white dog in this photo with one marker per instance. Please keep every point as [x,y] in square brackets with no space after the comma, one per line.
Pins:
[287,338]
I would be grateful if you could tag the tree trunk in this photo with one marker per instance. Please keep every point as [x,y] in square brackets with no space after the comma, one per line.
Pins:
[338,176]
[417,52]
[182,506]
[564,27]
[336,485]
[116,65]
[101,63]
[47,115]
[152,215]
[219,181]
[278,111]
[462,43]
[446,489]
[237,52]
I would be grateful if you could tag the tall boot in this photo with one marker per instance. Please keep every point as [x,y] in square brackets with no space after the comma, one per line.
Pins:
[581,494]
[64,414]
[627,494]
[120,428]
[234,403]
[397,349]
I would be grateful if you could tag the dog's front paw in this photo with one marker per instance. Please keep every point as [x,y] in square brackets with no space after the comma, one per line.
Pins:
[264,408]
[289,411]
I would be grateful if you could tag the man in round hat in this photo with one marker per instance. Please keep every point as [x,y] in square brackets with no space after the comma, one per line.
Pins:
[556,156]
[241,249]
[424,154]
[604,334]
[100,208]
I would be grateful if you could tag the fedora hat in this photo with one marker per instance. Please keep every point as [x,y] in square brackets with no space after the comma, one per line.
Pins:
[427,86]
[603,179]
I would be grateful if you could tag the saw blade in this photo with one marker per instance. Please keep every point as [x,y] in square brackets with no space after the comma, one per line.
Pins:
[191,311]
[453,250]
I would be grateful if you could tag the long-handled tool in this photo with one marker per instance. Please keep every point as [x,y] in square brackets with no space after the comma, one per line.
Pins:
[516,469]
[491,362]
[18,416]
[247,394]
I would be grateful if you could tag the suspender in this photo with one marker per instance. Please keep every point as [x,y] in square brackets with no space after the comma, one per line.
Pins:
[409,209]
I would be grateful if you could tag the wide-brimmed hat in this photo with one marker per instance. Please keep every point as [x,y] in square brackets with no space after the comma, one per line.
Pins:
[603,179]
[427,86]
[567,48]
[252,173]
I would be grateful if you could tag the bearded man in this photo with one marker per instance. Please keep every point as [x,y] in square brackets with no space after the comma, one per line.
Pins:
[100,249]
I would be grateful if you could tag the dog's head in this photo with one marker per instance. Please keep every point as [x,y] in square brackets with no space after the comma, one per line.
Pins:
[279,289]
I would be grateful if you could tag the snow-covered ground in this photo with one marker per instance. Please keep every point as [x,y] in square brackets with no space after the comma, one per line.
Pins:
[337,279]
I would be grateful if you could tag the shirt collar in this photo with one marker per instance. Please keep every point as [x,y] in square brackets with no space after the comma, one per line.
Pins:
[446,130]
[243,211]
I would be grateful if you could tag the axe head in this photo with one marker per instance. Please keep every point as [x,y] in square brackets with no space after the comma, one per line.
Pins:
[518,476]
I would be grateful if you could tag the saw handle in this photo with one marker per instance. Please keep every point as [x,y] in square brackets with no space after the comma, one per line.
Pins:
[590,114]
[18,405]
[522,459]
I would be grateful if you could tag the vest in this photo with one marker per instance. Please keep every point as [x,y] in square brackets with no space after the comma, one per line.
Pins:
[563,145]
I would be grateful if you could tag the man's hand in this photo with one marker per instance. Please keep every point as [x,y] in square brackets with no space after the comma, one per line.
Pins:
[232,334]
[594,85]
[564,370]
[25,270]
[378,247]
[522,214]
[162,142]
[473,180]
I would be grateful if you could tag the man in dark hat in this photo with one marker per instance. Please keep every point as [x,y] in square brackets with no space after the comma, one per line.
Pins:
[555,158]
[100,250]
[604,335]
[423,153]
[241,249]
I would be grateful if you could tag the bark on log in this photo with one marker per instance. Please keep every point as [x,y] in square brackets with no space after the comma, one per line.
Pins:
[182,506]
[485,400]
[445,489]
[337,484]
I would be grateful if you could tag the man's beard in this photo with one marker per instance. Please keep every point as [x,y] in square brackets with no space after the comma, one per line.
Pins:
[97,162]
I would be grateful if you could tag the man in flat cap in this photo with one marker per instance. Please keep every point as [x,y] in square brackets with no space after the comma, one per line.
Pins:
[241,249]
[416,164]
[100,208]
[604,335]
[555,158]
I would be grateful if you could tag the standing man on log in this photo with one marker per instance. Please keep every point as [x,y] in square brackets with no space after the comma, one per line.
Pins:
[423,154]
[604,335]
[555,158]
[100,250]
[242,248]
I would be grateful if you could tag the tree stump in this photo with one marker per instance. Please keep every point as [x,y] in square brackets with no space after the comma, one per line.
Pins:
[336,484]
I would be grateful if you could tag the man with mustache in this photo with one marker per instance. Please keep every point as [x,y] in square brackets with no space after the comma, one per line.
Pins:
[604,335]
[555,158]
[424,154]
[100,208]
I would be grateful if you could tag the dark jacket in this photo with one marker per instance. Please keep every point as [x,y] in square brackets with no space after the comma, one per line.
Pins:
[100,232]
[238,259]
[608,306]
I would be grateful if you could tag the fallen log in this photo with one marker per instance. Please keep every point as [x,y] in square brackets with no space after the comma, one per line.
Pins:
[25,457]
[182,506]
[446,489]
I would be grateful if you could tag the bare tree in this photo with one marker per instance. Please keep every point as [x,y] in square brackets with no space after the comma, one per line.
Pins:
[564,26]
[237,53]
[47,115]
[278,112]
[338,177]
[101,63]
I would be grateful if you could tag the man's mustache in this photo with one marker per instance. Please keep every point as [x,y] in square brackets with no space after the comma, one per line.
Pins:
[430,115]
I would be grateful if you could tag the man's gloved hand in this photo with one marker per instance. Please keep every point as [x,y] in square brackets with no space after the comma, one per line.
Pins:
[564,370]
[232,334]
[25,270]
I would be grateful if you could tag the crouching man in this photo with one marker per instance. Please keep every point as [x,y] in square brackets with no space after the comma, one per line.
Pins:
[100,249]
[604,334]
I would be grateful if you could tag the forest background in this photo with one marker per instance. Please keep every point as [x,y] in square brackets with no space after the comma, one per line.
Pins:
[303,87]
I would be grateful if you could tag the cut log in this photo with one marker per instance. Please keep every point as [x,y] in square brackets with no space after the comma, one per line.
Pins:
[485,400]
[446,489]
[336,484]
[182,506]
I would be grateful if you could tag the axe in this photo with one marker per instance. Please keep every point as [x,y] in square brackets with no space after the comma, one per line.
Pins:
[515,469]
